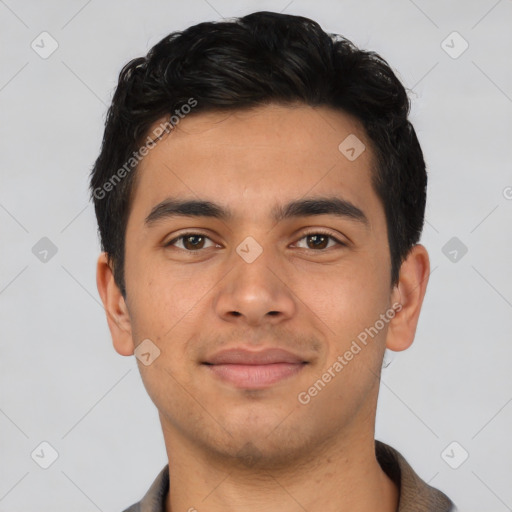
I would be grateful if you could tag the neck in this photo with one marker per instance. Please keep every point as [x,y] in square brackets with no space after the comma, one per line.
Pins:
[341,475]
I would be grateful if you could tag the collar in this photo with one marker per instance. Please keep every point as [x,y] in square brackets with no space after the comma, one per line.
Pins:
[415,494]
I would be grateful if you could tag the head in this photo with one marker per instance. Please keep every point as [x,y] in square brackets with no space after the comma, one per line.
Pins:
[248,121]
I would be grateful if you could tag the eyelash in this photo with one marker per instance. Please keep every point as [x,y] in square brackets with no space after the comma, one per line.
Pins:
[304,235]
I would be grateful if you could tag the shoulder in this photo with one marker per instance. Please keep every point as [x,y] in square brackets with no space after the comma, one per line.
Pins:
[415,494]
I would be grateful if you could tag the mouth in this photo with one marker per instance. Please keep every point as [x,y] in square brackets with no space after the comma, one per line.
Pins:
[254,370]
[254,376]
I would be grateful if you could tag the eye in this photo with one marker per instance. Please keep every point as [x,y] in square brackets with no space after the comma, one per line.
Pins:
[319,240]
[191,242]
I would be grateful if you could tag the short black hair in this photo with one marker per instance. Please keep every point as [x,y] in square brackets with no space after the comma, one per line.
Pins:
[255,60]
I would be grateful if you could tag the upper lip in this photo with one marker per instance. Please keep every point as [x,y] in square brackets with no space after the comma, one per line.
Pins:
[243,356]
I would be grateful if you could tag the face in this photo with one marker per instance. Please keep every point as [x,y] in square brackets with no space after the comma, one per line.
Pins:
[215,286]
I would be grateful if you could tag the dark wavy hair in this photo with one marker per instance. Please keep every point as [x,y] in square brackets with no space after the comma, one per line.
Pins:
[262,58]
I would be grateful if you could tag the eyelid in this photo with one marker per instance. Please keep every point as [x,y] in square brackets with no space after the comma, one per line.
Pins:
[185,234]
[321,231]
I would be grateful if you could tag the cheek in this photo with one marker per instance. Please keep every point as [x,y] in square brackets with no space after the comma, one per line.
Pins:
[166,297]
[346,299]
[350,308]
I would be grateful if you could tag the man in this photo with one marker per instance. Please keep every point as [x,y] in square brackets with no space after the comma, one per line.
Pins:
[260,194]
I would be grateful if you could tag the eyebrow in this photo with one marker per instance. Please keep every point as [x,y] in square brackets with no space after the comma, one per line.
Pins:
[170,208]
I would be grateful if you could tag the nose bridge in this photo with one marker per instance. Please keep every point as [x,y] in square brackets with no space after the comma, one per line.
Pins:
[253,289]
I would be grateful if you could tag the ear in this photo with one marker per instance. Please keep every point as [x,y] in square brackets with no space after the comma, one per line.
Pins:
[118,317]
[408,294]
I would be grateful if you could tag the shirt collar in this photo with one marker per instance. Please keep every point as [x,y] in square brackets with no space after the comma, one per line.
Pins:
[415,494]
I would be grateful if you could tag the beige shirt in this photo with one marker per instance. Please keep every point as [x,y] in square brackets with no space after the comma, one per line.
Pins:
[415,494]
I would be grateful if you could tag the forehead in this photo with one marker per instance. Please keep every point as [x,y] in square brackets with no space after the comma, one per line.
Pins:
[251,159]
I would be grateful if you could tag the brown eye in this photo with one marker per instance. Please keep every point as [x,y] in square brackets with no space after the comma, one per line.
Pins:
[319,241]
[193,242]
[190,242]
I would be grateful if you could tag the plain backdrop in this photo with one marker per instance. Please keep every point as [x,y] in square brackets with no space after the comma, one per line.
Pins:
[446,398]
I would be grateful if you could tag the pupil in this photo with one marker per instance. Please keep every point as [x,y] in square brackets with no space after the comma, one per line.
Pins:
[316,238]
[192,237]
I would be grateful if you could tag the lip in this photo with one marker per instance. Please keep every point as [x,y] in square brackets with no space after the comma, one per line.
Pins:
[248,357]
[254,370]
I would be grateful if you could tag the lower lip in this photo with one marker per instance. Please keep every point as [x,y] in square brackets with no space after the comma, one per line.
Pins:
[255,376]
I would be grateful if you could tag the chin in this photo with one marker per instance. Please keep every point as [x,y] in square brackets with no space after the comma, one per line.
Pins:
[254,446]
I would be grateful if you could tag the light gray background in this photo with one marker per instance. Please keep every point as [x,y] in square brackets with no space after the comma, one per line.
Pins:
[61,380]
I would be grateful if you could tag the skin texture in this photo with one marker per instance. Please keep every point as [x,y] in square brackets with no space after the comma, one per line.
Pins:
[246,449]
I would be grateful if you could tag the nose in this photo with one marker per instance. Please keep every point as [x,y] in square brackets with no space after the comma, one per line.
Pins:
[255,292]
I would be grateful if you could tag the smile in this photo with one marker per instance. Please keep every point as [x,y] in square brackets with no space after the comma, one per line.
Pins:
[254,376]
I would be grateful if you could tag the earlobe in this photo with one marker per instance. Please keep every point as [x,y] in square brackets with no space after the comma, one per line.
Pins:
[409,294]
[118,317]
